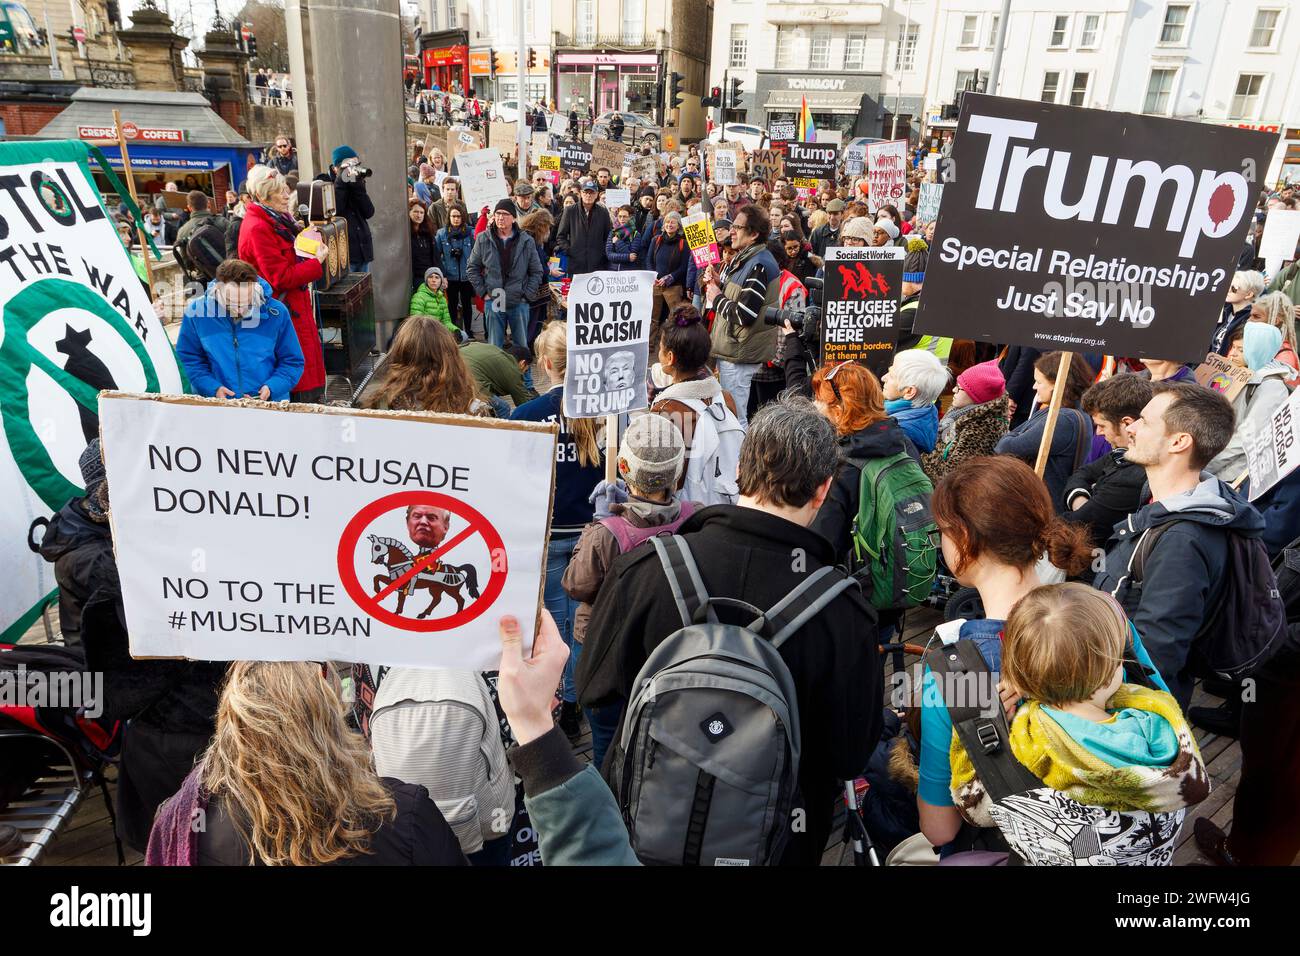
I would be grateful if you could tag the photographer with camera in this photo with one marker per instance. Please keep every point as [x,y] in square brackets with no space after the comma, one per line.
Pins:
[350,199]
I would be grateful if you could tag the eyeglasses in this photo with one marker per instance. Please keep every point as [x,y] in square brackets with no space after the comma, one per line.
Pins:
[830,377]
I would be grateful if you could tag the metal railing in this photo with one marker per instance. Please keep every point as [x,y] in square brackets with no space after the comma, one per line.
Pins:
[619,40]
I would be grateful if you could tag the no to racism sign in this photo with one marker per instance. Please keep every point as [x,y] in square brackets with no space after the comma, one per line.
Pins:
[75,320]
[1272,452]
[263,532]
[1087,230]
[860,305]
[609,343]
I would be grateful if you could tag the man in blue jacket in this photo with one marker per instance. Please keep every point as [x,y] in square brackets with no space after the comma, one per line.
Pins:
[1173,594]
[238,342]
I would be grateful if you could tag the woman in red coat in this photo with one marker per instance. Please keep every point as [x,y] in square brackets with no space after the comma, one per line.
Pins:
[266,241]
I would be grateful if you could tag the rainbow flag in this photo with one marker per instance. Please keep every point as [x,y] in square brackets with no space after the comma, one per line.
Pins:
[807,129]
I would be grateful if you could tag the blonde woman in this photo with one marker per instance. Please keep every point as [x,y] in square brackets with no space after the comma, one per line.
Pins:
[286,782]
[579,466]
[266,242]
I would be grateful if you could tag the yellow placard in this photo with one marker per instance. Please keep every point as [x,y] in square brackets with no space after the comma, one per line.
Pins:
[549,162]
[802,183]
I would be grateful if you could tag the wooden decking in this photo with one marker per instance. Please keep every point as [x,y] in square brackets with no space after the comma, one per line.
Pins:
[87,840]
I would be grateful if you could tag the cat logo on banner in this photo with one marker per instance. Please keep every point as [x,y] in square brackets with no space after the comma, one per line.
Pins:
[76,320]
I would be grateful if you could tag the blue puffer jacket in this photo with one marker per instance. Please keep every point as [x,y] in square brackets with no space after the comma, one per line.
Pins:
[919,424]
[241,354]
[453,252]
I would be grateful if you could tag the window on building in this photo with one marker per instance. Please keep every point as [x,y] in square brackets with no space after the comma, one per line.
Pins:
[1175,24]
[1160,89]
[1265,28]
[1051,85]
[821,48]
[1060,30]
[739,55]
[528,16]
[633,21]
[451,14]
[855,50]
[1088,35]
[966,80]
[969,25]
[586,21]
[993,30]
[905,57]
[1245,101]
[1079,89]
[792,48]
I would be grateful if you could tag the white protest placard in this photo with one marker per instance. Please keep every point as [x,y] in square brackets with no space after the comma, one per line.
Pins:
[617,197]
[1272,453]
[75,319]
[1281,233]
[855,159]
[482,179]
[255,531]
[609,343]
[927,207]
[724,167]
[886,173]
[930,162]
[557,124]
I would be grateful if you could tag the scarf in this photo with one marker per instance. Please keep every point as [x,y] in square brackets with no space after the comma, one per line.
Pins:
[172,839]
[281,222]
[1143,759]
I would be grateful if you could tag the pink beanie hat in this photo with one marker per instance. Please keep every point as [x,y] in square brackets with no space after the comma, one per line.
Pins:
[983,382]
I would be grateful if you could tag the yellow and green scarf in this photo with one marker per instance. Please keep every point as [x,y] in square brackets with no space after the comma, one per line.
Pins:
[1145,766]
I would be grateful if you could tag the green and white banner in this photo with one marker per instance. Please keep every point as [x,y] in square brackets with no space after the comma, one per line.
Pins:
[74,319]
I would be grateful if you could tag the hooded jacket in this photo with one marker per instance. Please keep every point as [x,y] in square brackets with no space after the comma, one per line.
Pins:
[81,551]
[1183,577]
[581,236]
[920,424]
[834,520]
[424,301]
[242,354]
[1111,489]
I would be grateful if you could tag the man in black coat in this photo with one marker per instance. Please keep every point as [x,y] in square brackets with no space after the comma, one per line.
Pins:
[353,204]
[584,227]
[757,551]
[1109,489]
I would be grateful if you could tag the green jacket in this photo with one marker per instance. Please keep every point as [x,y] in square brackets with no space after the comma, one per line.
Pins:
[427,302]
[1287,280]
[496,371]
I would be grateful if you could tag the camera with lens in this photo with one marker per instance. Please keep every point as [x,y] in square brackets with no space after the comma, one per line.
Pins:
[806,321]
[351,172]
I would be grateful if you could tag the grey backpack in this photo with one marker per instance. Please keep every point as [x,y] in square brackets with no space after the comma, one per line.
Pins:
[706,762]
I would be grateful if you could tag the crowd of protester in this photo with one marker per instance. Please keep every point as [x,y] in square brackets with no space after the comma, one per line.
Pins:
[1095,587]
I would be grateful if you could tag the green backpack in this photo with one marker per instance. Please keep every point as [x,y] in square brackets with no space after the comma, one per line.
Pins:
[894,534]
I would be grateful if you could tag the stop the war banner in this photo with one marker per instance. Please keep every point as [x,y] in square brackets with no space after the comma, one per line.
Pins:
[1087,230]
[608,343]
[860,305]
[76,320]
[255,531]
[810,160]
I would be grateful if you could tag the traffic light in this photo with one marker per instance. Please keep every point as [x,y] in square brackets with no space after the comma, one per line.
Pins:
[494,62]
[252,45]
[532,58]
[675,90]
[714,98]
[733,102]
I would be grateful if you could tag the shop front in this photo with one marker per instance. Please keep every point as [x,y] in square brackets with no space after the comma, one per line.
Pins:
[848,103]
[176,142]
[445,59]
[627,82]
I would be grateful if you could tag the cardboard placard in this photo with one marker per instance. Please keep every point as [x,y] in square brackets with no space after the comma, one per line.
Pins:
[1217,373]
[768,164]
[607,154]
[646,169]
[408,539]
[1272,453]
[860,305]
[608,343]
[1119,236]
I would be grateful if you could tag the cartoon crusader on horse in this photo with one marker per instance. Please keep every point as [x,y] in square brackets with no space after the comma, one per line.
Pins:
[426,526]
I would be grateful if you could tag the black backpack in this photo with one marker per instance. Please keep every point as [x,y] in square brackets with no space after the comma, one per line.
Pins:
[205,249]
[1248,627]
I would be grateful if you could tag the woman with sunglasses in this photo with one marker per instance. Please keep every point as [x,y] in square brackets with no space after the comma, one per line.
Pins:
[286,782]
[996,522]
